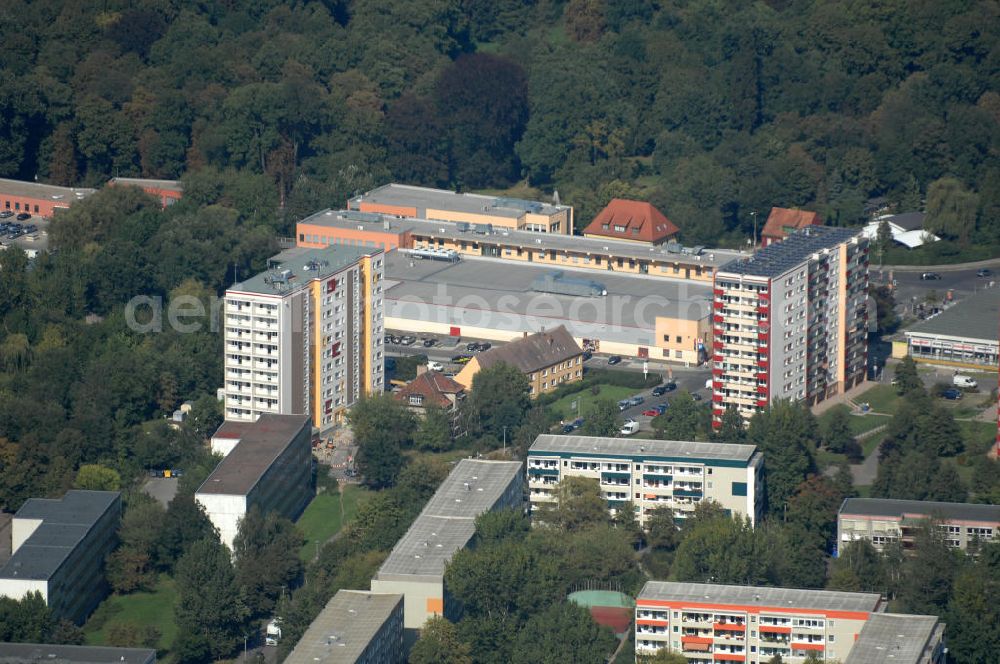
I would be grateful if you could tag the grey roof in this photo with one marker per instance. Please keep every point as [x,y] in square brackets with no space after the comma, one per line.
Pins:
[493,293]
[818,600]
[584,445]
[890,507]
[305,266]
[166,185]
[576,243]
[423,198]
[896,638]
[345,627]
[535,352]
[259,447]
[32,653]
[780,257]
[908,221]
[974,317]
[65,523]
[47,191]
[448,521]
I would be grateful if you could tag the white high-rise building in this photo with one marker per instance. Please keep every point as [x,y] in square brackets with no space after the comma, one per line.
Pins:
[305,336]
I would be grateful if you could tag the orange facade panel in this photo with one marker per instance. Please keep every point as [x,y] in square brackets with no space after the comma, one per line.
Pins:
[729,657]
[381,208]
[652,623]
[775,629]
[807,646]
[729,627]
[696,640]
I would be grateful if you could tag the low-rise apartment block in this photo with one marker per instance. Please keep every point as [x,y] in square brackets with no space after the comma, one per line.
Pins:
[58,550]
[355,627]
[791,322]
[711,623]
[415,567]
[305,336]
[650,473]
[548,359]
[500,212]
[884,521]
[270,468]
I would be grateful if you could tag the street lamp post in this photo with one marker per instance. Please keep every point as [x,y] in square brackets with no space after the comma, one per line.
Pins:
[754,215]
[505,440]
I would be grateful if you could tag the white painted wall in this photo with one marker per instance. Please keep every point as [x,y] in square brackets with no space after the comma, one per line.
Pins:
[20,530]
[225,512]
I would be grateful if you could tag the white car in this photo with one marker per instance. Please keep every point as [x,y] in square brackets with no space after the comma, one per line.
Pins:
[964,382]
[629,428]
[435,366]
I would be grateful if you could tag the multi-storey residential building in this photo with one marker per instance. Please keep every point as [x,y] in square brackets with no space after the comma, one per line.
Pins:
[58,550]
[790,322]
[441,205]
[884,521]
[305,336]
[547,359]
[415,567]
[650,473]
[33,653]
[355,627]
[270,468]
[711,623]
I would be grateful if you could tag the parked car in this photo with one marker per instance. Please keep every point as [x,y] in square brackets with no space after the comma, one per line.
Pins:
[624,404]
[964,382]
[30,228]
[587,355]
[635,401]
[568,428]
[629,428]
[984,272]
[658,409]
[408,340]
[696,396]
[577,423]
[952,394]
[430,343]
[929,276]
[23,216]
[660,390]
[6,214]
[388,340]
[461,359]
[435,366]
[614,359]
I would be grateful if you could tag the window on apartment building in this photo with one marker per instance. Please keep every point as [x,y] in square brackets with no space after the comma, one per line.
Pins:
[739,488]
[678,338]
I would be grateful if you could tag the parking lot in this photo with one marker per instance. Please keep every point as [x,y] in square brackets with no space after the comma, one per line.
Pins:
[31,235]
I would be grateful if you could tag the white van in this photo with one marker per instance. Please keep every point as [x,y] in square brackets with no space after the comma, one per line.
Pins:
[630,428]
[966,382]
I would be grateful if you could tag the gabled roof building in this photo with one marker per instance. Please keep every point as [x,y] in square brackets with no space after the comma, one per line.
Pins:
[632,221]
[783,220]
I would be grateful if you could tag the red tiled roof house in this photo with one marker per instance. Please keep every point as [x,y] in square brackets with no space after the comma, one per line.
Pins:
[781,220]
[633,221]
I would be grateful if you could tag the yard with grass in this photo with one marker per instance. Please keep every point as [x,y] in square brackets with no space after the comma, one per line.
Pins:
[154,608]
[326,515]
[585,400]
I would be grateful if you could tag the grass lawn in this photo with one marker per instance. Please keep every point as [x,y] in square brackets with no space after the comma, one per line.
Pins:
[324,517]
[882,399]
[586,400]
[153,608]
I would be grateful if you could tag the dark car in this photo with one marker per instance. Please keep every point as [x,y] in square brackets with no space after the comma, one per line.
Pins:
[568,428]
[6,214]
[614,359]
[430,343]
[30,228]
[984,273]
[929,276]
[23,216]
[696,396]
[952,394]
[587,355]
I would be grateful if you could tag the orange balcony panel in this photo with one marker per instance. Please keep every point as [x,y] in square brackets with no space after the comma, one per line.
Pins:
[729,627]
[697,647]
[807,646]
[729,657]
[775,629]
[650,622]
[696,640]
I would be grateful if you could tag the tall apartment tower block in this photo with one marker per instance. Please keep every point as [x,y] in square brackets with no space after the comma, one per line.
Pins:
[305,336]
[791,322]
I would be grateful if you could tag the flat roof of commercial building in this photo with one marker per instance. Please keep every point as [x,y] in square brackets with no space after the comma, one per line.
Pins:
[303,266]
[259,447]
[974,317]
[448,521]
[32,653]
[373,222]
[780,257]
[484,292]
[47,191]
[344,628]
[890,507]
[65,522]
[894,637]
[166,185]
[762,596]
[628,447]
[422,198]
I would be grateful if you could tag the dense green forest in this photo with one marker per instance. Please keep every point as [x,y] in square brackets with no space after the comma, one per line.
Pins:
[711,110]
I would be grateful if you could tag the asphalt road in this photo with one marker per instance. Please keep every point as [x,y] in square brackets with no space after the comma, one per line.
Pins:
[909,285]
